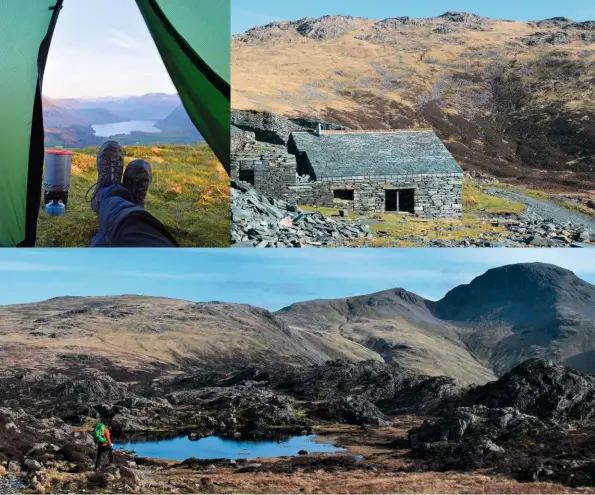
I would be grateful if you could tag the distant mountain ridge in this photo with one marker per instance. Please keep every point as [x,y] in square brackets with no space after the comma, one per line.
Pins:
[476,332]
[68,122]
[92,111]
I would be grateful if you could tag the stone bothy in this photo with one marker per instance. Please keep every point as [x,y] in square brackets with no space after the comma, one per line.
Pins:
[401,171]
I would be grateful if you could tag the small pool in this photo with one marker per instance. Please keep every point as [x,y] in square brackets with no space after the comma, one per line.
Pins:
[181,448]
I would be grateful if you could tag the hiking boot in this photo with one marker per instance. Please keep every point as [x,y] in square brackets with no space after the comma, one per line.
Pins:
[137,179]
[110,164]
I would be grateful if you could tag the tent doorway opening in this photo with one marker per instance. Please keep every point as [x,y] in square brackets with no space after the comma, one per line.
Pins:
[247,176]
[399,200]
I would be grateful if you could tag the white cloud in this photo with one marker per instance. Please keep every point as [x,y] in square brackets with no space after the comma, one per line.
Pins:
[577,260]
[122,40]
[22,266]
[160,275]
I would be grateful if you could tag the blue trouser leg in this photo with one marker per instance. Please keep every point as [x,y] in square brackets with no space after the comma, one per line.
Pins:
[123,223]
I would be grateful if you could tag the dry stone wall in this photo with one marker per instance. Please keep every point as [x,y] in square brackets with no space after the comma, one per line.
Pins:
[436,196]
[274,173]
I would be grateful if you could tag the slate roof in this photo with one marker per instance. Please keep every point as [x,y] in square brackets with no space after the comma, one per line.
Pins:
[346,154]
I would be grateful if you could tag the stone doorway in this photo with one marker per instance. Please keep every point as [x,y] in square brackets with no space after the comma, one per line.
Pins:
[247,176]
[399,200]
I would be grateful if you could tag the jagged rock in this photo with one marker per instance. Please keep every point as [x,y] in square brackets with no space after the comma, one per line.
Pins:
[31,465]
[242,140]
[270,128]
[258,221]
[266,127]
[476,420]
[124,423]
[94,386]
[540,388]
[133,476]
[560,38]
[463,17]
[326,27]
[351,410]
[387,386]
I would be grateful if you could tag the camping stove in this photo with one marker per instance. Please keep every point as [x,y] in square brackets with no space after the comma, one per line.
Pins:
[56,176]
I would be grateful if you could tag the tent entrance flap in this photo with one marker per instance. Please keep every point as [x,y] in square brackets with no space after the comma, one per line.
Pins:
[193,41]
[27,29]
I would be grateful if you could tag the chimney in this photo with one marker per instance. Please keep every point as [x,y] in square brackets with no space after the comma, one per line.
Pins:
[319,130]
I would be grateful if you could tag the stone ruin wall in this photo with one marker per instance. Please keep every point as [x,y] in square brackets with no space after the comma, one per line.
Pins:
[274,173]
[436,196]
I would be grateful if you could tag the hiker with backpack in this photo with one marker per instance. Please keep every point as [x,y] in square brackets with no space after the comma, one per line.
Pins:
[101,436]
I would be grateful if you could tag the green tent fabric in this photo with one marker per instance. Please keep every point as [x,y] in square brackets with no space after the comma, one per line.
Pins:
[193,40]
[192,37]
[23,50]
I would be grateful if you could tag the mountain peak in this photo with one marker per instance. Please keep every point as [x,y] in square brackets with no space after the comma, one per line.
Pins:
[467,17]
[520,295]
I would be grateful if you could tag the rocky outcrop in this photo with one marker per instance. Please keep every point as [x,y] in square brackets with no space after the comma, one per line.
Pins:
[387,387]
[464,17]
[350,410]
[517,425]
[267,127]
[326,27]
[258,221]
[542,389]
[274,129]
[242,140]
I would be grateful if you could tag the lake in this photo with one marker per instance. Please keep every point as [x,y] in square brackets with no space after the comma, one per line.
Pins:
[181,448]
[107,130]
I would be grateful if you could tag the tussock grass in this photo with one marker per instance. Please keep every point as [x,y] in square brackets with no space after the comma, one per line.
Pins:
[189,194]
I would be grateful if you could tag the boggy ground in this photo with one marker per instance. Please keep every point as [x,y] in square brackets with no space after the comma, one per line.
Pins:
[531,431]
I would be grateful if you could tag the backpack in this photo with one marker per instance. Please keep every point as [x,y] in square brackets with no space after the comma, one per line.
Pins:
[99,433]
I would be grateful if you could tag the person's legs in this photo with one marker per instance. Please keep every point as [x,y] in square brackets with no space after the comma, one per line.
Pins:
[111,455]
[123,222]
[101,455]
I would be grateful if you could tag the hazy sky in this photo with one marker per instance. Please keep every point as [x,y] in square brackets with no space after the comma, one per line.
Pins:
[249,13]
[103,48]
[270,278]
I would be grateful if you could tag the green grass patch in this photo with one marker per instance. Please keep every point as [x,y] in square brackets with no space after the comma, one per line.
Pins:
[189,194]
[395,230]
[585,210]
[476,202]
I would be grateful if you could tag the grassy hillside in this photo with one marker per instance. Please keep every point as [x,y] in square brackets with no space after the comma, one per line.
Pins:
[514,99]
[137,333]
[189,194]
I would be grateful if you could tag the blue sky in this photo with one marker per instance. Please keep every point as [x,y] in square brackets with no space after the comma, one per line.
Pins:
[250,13]
[103,48]
[265,278]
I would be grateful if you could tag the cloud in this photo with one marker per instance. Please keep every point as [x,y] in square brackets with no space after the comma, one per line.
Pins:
[23,266]
[159,275]
[122,40]
[286,289]
[577,260]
